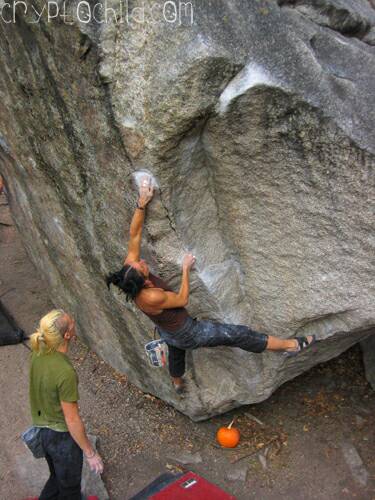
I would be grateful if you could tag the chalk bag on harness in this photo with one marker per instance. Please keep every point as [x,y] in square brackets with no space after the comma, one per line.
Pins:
[157,353]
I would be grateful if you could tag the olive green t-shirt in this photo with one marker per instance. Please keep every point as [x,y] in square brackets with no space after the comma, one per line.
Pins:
[52,379]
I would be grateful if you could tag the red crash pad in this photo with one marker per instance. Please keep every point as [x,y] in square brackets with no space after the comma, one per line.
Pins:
[190,486]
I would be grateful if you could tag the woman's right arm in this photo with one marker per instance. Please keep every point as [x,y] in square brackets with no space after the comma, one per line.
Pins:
[161,299]
[77,431]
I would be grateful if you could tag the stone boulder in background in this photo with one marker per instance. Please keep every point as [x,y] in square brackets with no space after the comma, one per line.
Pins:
[368,348]
[257,118]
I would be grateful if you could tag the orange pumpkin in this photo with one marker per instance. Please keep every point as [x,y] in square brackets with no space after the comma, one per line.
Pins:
[228,437]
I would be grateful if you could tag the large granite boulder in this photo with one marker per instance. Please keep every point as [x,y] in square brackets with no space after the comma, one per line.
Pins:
[368,348]
[257,118]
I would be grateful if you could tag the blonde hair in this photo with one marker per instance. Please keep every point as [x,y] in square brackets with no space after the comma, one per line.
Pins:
[50,333]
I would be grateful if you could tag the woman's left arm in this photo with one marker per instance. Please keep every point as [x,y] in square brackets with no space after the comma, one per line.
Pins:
[146,193]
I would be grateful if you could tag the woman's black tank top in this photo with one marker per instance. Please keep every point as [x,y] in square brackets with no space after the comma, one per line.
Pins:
[169,320]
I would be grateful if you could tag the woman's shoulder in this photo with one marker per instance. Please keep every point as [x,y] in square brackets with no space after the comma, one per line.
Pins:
[150,294]
[149,299]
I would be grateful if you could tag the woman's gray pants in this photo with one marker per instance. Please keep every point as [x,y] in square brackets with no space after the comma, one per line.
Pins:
[195,334]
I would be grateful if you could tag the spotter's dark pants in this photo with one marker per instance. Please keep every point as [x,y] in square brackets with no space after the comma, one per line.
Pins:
[64,458]
[195,334]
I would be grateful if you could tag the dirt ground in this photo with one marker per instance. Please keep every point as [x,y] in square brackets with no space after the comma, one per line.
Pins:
[313,439]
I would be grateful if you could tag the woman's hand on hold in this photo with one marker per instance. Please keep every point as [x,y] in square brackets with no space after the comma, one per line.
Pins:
[95,463]
[188,262]
[146,192]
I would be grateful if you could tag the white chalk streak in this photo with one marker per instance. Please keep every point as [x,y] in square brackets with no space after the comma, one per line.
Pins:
[250,76]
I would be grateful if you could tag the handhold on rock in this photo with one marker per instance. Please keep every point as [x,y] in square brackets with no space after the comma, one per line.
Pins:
[141,176]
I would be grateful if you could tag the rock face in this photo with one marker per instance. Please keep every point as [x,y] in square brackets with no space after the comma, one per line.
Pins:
[368,348]
[257,118]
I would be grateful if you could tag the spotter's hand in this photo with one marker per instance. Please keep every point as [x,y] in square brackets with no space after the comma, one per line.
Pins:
[189,261]
[95,463]
[146,191]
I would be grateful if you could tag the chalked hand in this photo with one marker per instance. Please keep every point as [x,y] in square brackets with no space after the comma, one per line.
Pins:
[146,191]
[189,261]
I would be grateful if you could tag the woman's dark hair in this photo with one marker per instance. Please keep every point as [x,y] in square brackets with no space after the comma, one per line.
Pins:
[128,279]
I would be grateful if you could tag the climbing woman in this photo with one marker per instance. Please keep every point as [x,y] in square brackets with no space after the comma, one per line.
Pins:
[166,309]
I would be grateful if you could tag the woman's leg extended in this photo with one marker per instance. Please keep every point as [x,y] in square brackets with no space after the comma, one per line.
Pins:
[212,334]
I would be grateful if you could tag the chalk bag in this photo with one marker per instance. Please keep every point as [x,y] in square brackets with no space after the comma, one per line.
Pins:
[32,439]
[157,353]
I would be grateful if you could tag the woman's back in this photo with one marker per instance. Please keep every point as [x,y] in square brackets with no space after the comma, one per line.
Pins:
[52,380]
